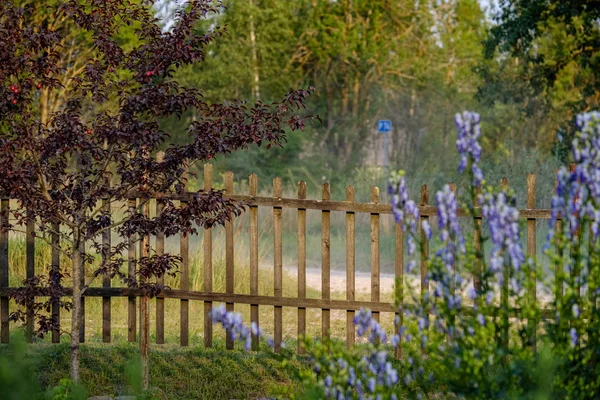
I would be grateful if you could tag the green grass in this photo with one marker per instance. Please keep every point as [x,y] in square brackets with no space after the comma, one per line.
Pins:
[176,373]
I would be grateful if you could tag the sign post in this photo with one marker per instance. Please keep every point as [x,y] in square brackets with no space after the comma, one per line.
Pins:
[384,126]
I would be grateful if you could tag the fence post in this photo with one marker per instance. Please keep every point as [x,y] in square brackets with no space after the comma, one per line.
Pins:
[131,301]
[229,255]
[375,258]
[55,269]
[82,283]
[531,252]
[504,290]
[4,216]
[477,242]
[208,285]
[277,265]
[424,244]
[160,249]
[399,284]
[145,305]
[106,301]
[254,258]
[350,265]
[301,266]
[30,270]
[184,276]
[325,262]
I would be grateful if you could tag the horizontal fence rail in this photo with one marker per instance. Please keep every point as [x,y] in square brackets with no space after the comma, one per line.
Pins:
[277,204]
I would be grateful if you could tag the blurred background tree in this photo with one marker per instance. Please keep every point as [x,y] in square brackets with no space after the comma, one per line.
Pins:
[527,66]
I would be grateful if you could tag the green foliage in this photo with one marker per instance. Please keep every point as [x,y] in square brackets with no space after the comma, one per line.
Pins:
[16,378]
[66,390]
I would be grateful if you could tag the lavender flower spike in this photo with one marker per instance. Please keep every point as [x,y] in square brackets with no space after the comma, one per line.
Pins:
[467,143]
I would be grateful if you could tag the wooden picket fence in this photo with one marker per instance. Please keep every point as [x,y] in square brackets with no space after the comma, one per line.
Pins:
[277,203]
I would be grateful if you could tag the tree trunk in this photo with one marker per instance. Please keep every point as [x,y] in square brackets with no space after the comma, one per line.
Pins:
[77,306]
[256,83]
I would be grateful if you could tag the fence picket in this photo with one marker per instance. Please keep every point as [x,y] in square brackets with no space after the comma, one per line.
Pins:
[4,216]
[531,251]
[399,284]
[424,244]
[301,266]
[477,244]
[208,283]
[82,283]
[184,277]
[106,301]
[350,267]
[229,255]
[160,249]
[326,262]
[55,269]
[30,269]
[131,301]
[253,182]
[375,257]
[504,290]
[277,265]
[145,304]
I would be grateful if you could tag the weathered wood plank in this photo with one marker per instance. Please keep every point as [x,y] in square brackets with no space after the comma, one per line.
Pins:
[30,270]
[375,253]
[229,255]
[399,285]
[263,300]
[208,265]
[504,290]
[145,306]
[477,245]
[55,269]
[253,183]
[301,267]
[160,249]
[131,302]
[531,252]
[325,262]
[424,244]
[82,283]
[4,325]
[350,267]
[106,301]
[184,279]
[277,265]
[330,205]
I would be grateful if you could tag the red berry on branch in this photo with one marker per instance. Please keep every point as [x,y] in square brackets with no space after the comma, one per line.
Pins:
[39,86]
[14,101]
[89,131]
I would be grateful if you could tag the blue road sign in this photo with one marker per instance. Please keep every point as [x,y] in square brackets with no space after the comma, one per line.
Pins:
[384,125]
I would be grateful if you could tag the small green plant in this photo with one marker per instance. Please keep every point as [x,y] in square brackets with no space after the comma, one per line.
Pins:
[17,378]
[66,390]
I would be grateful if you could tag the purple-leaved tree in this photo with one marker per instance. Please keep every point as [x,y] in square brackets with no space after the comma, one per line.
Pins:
[101,145]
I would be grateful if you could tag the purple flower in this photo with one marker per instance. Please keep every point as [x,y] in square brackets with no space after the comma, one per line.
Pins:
[574,337]
[472,293]
[233,324]
[503,221]
[578,192]
[371,385]
[364,323]
[426,229]
[395,340]
[467,143]
[481,319]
